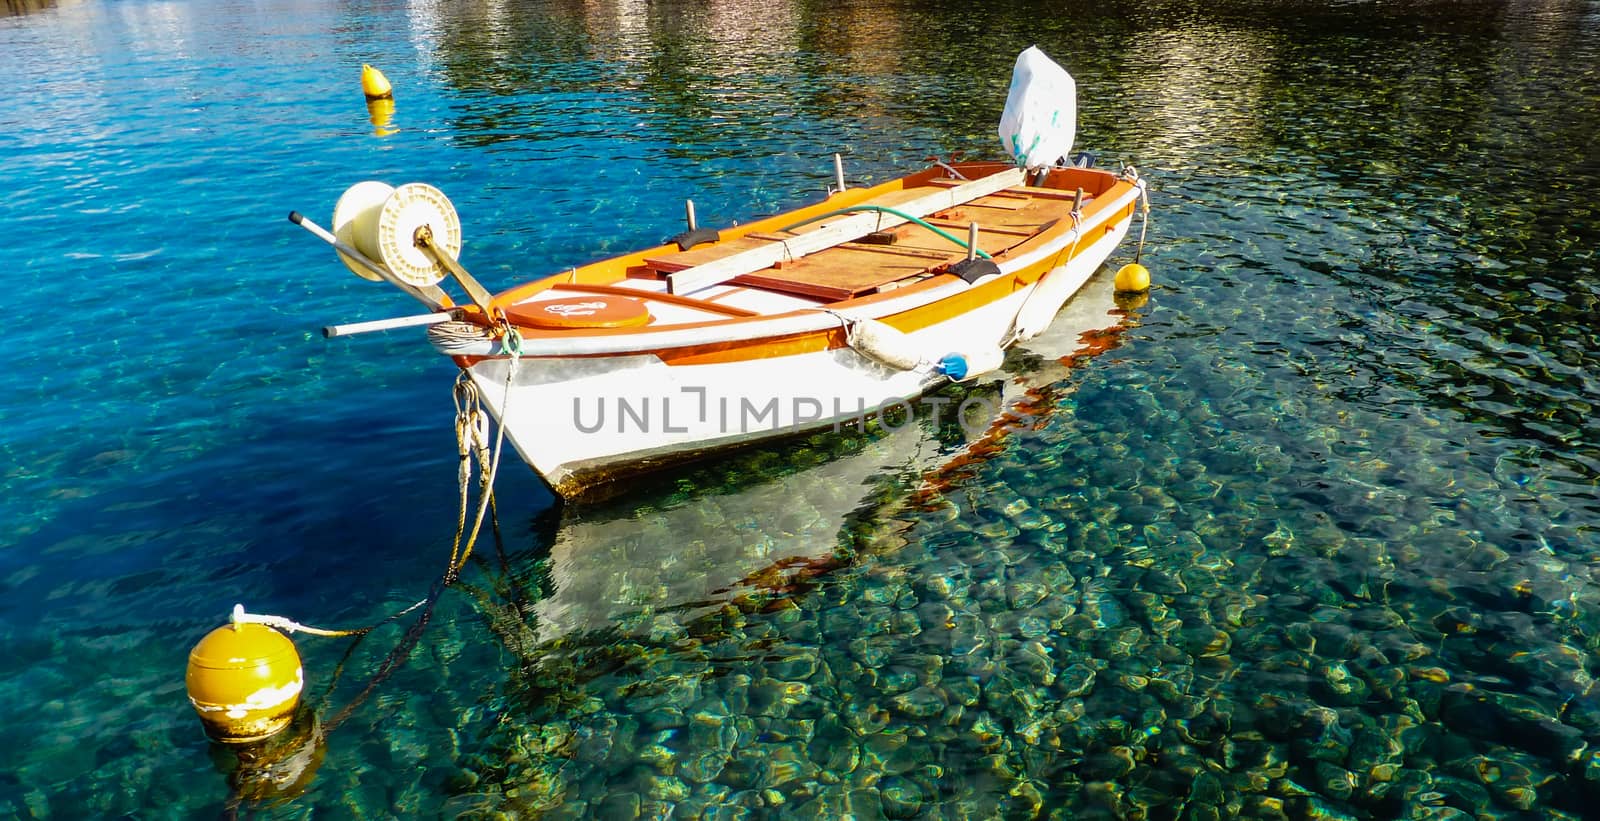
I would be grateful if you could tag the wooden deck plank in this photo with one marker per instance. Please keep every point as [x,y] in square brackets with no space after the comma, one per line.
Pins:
[702,254]
[987,228]
[843,230]
[846,268]
[1028,191]
[844,272]
[999,203]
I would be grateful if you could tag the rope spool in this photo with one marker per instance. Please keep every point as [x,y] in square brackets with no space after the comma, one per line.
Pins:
[380,221]
[355,221]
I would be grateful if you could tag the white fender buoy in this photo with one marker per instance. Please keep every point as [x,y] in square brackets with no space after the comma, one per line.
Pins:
[882,343]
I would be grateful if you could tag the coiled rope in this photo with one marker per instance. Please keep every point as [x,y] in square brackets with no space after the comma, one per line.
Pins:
[457,336]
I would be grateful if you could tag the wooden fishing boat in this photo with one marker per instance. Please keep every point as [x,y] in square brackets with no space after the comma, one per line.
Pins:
[818,317]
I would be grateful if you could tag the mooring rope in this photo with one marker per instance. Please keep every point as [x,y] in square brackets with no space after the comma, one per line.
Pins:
[457,336]
[472,436]
[1131,174]
[290,626]
[472,440]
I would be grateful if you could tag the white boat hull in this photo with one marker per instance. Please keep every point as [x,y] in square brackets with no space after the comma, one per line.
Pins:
[581,421]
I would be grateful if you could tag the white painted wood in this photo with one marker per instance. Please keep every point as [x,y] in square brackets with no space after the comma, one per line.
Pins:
[353,328]
[846,229]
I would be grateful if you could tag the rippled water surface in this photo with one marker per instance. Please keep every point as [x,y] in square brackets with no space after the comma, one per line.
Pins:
[1310,533]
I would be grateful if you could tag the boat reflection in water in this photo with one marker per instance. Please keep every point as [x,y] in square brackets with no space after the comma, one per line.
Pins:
[755,525]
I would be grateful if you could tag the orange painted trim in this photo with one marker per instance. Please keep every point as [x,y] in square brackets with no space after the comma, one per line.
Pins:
[580,312]
[772,348]
[653,296]
[711,353]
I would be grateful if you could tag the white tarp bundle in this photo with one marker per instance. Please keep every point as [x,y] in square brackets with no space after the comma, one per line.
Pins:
[1041,113]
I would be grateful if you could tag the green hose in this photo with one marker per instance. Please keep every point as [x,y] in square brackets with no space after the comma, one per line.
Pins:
[901,214]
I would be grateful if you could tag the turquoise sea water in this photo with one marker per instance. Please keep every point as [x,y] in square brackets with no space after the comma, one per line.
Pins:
[1309,533]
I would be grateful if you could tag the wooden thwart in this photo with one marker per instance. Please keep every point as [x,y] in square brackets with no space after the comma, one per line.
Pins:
[839,274]
[845,230]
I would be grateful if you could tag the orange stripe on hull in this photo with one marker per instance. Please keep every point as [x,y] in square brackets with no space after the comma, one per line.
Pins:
[761,349]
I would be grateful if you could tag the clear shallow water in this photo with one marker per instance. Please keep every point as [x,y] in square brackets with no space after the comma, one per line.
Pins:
[1314,534]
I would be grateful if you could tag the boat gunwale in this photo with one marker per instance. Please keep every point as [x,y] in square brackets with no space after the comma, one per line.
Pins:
[823,329]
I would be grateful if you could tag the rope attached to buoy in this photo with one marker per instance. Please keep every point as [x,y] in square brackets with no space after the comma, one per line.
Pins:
[245,678]
[1132,175]
[1133,280]
[290,626]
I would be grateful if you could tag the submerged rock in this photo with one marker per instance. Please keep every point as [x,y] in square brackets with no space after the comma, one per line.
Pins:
[920,703]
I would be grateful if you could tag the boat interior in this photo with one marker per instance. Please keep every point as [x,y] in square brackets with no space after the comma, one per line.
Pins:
[759,271]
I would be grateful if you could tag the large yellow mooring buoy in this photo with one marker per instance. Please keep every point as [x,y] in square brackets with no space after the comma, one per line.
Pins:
[1133,278]
[244,680]
[374,84]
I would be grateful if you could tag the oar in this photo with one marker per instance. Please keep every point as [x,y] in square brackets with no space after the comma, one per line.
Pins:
[430,296]
[353,328]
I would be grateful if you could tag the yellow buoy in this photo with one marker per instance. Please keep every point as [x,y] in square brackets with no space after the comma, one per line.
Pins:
[244,680]
[374,84]
[1133,278]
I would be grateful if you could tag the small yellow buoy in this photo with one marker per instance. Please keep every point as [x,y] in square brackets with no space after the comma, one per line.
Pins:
[374,84]
[244,680]
[1133,278]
